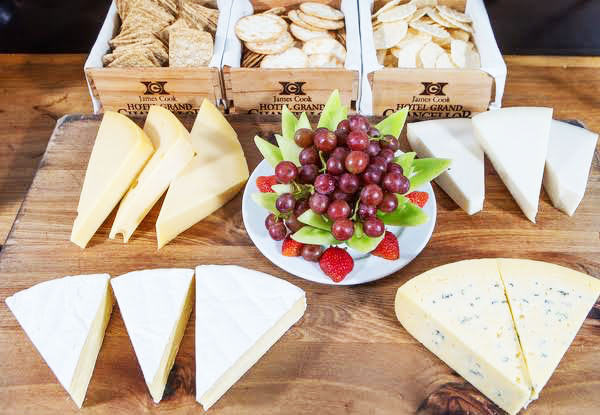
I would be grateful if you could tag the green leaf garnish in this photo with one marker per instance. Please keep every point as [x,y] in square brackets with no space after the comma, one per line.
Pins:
[333,113]
[266,200]
[303,122]
[361,242]
[425,170]
[289,149]
[406,214]
[315,236]
[270,152]
[288,123]
[405,161]
[315,220]
[282,188]
[393,124]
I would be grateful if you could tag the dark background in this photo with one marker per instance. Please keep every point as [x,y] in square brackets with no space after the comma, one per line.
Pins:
[553,27]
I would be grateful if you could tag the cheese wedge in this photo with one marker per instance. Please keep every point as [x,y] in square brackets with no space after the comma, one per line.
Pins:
[120,151]
[453,139]
[570,152]
[549,304]
[240,314]
[65,320]
[212,178]
[156,306]
[173,152]
[459,312]
[516,141]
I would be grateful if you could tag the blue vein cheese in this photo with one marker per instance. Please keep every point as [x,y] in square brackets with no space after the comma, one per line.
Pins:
[549,304]
[460,313]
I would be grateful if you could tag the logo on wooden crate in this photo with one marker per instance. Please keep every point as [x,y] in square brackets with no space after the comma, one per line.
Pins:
[292,88]
[155,87]
[433,88]
[292,96]
[156,94]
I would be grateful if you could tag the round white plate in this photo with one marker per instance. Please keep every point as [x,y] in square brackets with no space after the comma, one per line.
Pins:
[367,267]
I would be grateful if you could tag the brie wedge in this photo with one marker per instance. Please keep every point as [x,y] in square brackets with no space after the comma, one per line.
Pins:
[570,152]
[65,320]
[453,139]
[240,314]
[156,306]
[516,141]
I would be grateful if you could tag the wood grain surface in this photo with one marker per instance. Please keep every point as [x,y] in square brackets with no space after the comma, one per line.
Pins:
[348,355]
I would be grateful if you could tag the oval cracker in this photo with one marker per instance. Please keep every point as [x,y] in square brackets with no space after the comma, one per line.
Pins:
[260,28]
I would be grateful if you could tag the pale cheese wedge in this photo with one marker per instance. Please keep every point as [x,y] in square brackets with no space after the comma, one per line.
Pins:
[453,139]
[156,306]
[516,141]
[65,320]
[240,314]
[549,304]
[459,312]
[212,178]
[173,152]
[570,152]
[120,151]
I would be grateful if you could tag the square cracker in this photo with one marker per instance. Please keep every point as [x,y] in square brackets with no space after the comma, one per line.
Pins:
[190,48]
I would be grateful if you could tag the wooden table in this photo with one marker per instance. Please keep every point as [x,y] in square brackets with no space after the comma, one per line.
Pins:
[348,354]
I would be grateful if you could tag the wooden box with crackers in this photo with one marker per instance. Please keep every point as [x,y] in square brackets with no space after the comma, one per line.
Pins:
[158,52]
[291,52]
[439,58]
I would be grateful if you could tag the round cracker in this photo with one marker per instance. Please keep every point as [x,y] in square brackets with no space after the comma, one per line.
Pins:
[386,6]
[291,58]
[436,17]
[325,45]
[461,25]
[322,11]
[282,43]
[293,16]
[429,54]
[453,14]
[460,34]
[305,34]
[323,60]
[424,3]
[320,23]
[418,14]
[430,29]
[444,62]
[389,34]
[260,28]
[407,56]
[397,13]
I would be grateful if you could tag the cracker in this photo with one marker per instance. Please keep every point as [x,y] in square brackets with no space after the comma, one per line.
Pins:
[252,59]
[260,28]
[460,34]
[190,48]
[424,3]
[428,55]
[322,11]
[282,43]
[407,56]
[320,23]
[430,29]
[325,45]
[386,6]
[459,52]
[444,62]
[291,58]
[323,60]
[418,14]
[341,36]
[293,16]
[133,59]
[390,60]
[389,34]
[448,12]
[461,25]
[275,10]
[436,17]
[163,35]
[304,34]
[397,13]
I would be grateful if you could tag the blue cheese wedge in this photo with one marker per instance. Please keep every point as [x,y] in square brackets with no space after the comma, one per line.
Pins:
[549,304]
[460,313]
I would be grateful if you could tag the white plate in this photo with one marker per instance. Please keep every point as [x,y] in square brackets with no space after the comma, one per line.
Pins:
[367,267]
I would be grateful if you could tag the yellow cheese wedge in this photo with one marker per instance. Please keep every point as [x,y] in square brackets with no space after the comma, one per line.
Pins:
[213,177]
[120,151]
[173,152]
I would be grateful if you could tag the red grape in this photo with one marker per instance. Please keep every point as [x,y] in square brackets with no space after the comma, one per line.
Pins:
[389,202]
[277,231]
[338,194]
[387,154]
[311,252]
[391,142]
[325,184]
[379,163]
[356,162]
[292,223]
[285,203]
[343,126]
[340,153]
[286,171]
[374,132]
[309,156]
[338,209]
[271,219]
[395,182]
[372,175]
[335,166]
[308,173]
[342,229]
[301,207]
[365,211]
[373,148]
[371,195]
[357,140]
[373,227]
[349,183]
[358,123]
[318,203]
[325,140]
[395,167]
[304,137]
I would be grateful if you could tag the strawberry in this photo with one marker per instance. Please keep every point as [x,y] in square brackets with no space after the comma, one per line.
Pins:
[291,247]
[388,247]
[264,183]
[336,263]
[418,198]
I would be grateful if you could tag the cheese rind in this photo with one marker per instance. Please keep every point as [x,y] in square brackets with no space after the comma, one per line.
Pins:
[240,314]
[453,139]
[570,152]
[155,305]
[65,319]
[549,304]
[516,141]
[459,312]
[173,152]
[120,151]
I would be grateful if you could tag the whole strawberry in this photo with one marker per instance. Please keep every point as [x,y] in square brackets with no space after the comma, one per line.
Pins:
[264,183]
[388,247]
[336,263]
[418,198]
[291,247]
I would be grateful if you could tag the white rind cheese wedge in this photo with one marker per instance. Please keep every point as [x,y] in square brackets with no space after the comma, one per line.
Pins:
[516,141]
[211,179]
[173,152]
[240,314]
[120,151]
[156,306]
[65,320]
[570,152]
[459,312]
[549,304]
[453,139]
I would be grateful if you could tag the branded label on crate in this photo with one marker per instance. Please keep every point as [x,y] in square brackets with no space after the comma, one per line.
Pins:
[293,95]
[156,93]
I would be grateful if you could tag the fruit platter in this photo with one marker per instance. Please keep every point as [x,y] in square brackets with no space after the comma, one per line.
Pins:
[340,204]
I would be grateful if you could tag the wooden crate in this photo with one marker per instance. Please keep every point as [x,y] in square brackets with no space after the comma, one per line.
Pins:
[265,91]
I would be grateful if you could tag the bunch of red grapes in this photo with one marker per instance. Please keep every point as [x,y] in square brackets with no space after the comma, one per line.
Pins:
[353,164]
